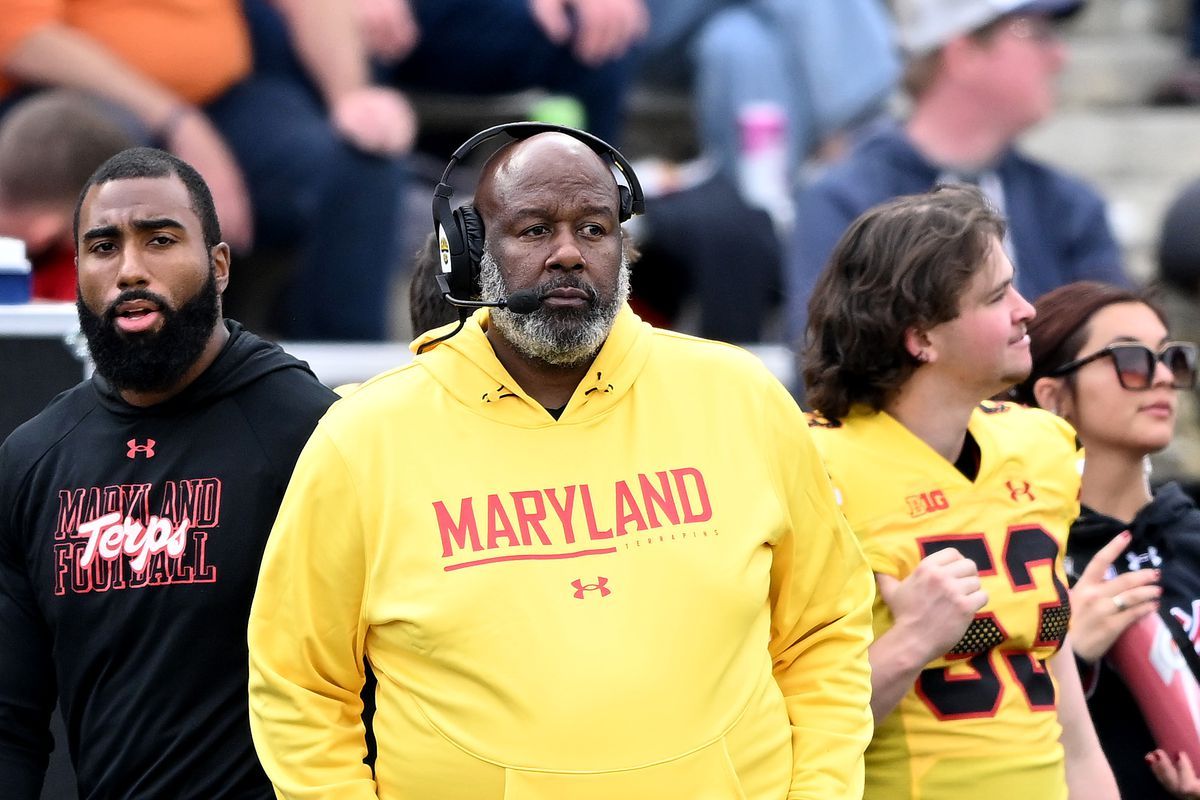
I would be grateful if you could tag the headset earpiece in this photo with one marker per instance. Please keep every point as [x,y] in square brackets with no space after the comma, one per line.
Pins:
[471,225]
[626,200]
[451,246]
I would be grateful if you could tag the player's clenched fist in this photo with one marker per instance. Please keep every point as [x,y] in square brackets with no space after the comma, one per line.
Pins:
[937,602]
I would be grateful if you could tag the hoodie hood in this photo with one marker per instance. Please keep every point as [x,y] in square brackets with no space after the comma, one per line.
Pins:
[467,367]
[245,358]
[1169,523]
[1170,503]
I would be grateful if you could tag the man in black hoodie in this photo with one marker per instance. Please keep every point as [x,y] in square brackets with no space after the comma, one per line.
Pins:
[134,509]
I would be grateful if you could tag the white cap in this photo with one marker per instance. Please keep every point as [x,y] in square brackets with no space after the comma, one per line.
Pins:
[12,256]
[925,25]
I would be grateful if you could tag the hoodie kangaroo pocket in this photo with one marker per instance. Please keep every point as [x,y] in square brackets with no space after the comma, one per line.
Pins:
[706,774]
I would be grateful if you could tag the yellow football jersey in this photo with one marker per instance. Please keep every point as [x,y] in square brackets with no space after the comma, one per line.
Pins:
[983,718]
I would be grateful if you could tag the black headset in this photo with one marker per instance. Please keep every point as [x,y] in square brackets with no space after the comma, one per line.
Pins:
[459,232]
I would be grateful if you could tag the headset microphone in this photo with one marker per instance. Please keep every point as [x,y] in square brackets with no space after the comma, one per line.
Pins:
[522,301]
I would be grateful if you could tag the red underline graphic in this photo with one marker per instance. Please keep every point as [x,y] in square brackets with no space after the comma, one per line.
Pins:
[530,557]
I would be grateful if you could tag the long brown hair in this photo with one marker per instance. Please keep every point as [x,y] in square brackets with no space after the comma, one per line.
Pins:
[1061,326]
[902,264]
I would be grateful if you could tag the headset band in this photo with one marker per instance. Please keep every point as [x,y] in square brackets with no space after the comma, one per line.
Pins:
[523,130]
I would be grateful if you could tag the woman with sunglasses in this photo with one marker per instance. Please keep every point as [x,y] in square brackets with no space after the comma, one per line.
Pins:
[1103,360]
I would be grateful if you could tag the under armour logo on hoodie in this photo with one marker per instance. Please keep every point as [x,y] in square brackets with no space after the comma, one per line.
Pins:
[1138,560]
[600,585]
[135,449]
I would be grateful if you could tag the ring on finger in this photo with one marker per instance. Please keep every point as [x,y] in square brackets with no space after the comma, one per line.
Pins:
[1119,602]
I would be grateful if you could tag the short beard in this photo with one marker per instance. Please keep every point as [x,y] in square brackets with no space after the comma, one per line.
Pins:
[150,361]
[555,336]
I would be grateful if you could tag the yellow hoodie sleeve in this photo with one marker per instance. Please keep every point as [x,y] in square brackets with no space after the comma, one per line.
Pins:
[821,596]
[306,636]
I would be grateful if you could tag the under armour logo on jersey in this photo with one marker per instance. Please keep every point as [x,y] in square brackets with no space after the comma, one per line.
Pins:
[1020,489]
[135,449]
[601,585]
[1138,560]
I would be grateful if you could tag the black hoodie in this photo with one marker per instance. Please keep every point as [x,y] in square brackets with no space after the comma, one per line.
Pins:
[1166,536]
[130,541]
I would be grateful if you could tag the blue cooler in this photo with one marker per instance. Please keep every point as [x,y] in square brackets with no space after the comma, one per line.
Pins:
[16,275]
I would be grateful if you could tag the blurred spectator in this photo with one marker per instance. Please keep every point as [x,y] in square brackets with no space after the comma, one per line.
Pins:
[980,73]
[771,81]
[1178,293]
[1182,87]
[286,169]
[1179,244]
[573,47]
[824,64]
[705,243]
[577,48]
[50,144]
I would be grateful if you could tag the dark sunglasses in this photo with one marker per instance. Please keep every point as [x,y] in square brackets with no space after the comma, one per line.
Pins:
[1135,364]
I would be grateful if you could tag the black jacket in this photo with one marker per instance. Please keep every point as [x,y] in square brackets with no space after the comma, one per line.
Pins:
[130,541]
[1166,536]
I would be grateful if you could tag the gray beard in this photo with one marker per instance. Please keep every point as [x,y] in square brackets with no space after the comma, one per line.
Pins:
[558,337]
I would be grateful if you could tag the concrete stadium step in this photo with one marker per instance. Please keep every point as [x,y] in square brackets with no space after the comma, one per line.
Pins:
[1135,142]
[1122,49]
[1107,17]
[1118,69]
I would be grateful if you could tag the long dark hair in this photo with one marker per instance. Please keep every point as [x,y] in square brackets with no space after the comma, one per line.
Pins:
[901,264]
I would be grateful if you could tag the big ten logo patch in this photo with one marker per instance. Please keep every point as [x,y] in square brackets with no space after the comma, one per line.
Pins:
[115,537]
[926,503]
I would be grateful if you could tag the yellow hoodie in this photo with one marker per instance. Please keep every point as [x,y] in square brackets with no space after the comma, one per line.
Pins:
[653,597]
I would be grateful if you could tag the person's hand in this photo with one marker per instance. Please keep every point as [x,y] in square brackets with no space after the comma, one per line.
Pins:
[937,601]
[193,138]
[1102,609]
[1178,778]
[604,29]
[376,120]
[388,28]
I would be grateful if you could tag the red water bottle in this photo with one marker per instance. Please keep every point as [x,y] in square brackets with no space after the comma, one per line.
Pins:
[1162,683]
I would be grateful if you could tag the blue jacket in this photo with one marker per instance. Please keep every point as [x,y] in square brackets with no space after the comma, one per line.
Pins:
[1057,224]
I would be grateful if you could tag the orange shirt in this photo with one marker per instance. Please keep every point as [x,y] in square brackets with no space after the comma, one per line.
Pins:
[196,48]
